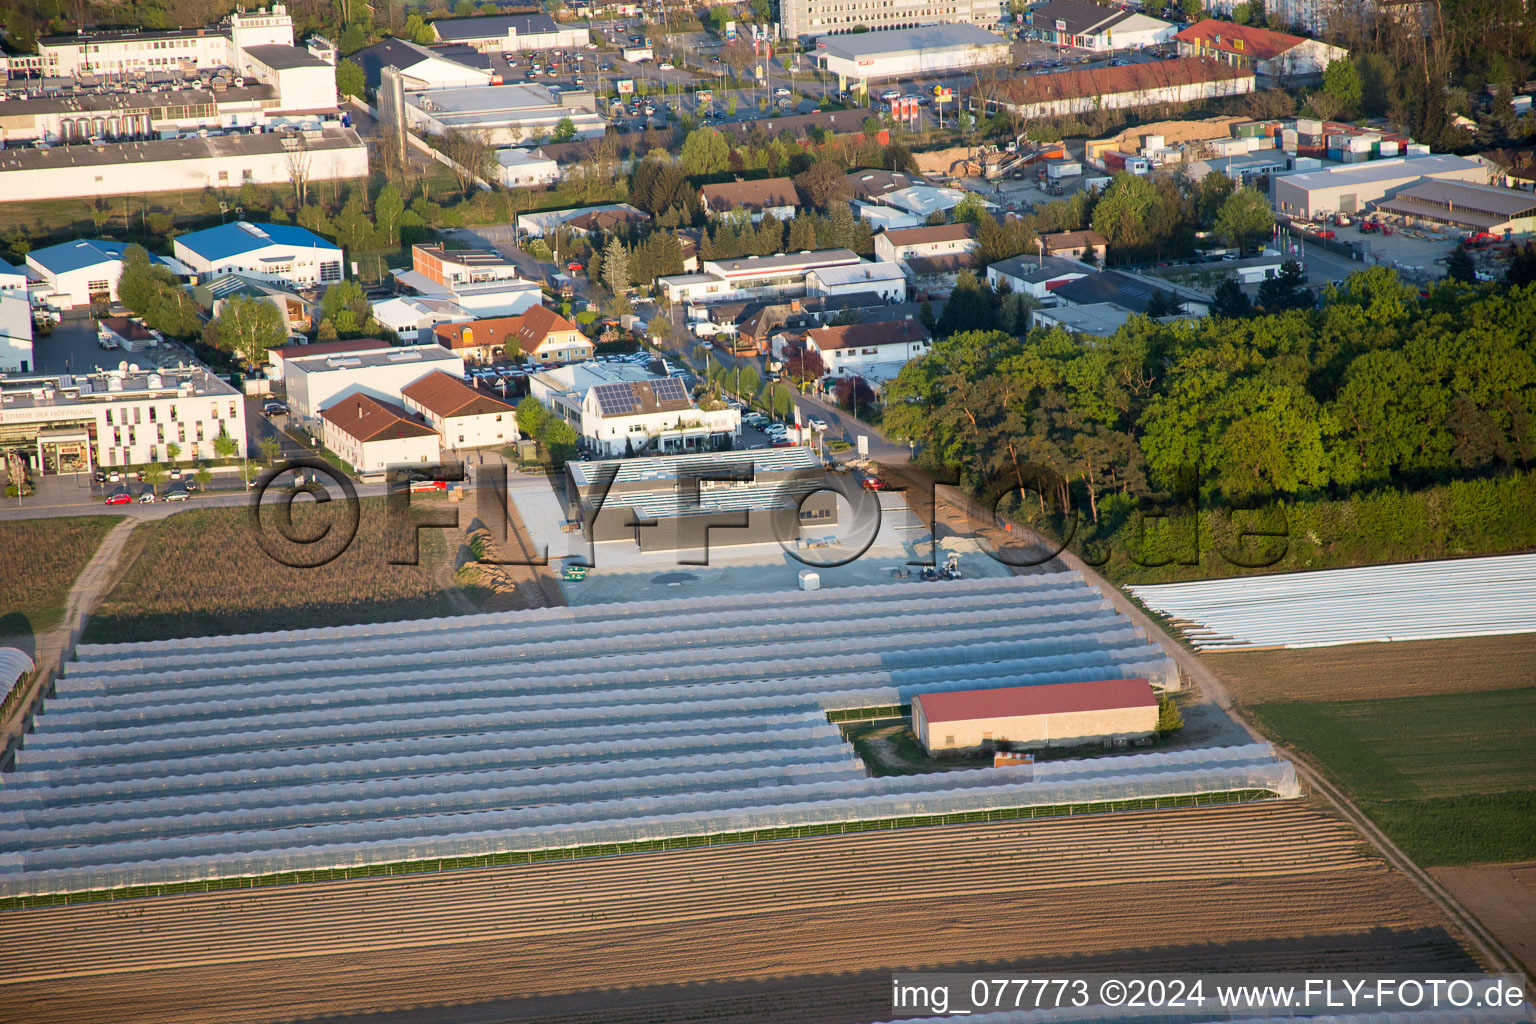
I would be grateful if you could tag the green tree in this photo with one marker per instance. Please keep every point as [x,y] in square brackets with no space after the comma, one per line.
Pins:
[225,446]
[1121,215]
[155,474]
[1378,78]
[173,452]
[1231,302]
[1459,265]
[558,438]
[388,209]
[660,326]
[1286,290]
[616,266]
[705,151]
[565,130]
[270,448]
[1169,718]
[531,415]
[1191,9]
[1245,218]
[1341,80]
[970,209]
[248,327]
[203,475]
[350,80]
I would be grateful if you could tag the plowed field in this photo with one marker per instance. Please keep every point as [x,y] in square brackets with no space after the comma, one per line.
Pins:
[711,933]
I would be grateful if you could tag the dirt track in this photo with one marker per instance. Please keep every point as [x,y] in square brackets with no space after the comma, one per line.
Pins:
[1266,886]
[1367,671]
[1503,896]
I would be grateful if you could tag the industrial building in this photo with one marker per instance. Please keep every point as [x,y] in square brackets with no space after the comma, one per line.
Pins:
[178,165]
[83,272]
[1095,27]
[481,282]
[1118,711]
[505,114]
[15,330]
[1471,208]
[1186,80]
[1273,54]
[1038,276]
[122,417]
[149,51]
[1348,188]
[462,416]
[86,115]
[803,18]
[372,435]
[902,53]
[1130,291]
[283,253]
[419,67]
[619,409]
[695,502]
[524,168]
[277,358]
[1100,319]
[414,318]
[316,382]
[496,33]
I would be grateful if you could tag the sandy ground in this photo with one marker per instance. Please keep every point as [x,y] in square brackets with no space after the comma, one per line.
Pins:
[1364,671]
[704,934]
[1503,896]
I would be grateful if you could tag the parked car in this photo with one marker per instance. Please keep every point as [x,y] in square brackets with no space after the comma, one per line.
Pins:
[275,409]
[574,267]
[99,476]
[818,424]
[781,91]
[119,498]
[873,483]
[177,494]
[666,65]
[147,496]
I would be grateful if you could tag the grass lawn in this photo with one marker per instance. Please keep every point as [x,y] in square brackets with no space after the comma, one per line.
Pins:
[39,560]
[1450,777]
[203,573]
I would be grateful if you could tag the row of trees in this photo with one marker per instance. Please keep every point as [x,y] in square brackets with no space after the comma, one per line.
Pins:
[1375,389]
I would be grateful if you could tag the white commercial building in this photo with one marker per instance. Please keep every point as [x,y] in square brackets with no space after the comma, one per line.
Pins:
[419,67]
[505,114]
[267,252]
[461,415]
[181,50]
[179,165]
[930,50]
[314,382]
[615,408]
[1097,27]
[123,417]
[923,201]
[478,281]
[887,280]
[84,115]
[522,168]
[511,32]
[817,17]
[15,330]
[305,79]
[81,272]
[413,317]
[373,435]
[782,275]
[1036,276]
[937,240]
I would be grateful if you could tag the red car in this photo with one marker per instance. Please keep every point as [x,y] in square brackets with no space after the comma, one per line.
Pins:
[120,498]
[874,483]
[574,267]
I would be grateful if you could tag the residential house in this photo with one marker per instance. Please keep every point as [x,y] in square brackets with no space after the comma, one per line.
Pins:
[1074,245]
[759,198]
[298,312]
[782,275]
[374,435]
[620,409]
[937,240]
[869,349]
[462,416]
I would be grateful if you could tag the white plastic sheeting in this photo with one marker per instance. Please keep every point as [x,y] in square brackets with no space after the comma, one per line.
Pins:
[1417,601]
[428,837]
[236,756]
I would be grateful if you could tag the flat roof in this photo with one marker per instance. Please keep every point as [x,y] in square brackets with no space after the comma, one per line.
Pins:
[281,58]
[492,25]
[1046,699]
[425,355]
[1462,197]
[1391,169]
[811,259]
[136,384]
[857,272]
[478,98]
[893,42]
[663,469]
[86,101]
[1097,318]
[112,154]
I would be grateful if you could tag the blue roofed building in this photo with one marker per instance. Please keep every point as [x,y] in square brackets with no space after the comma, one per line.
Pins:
[267,252]
[83,271]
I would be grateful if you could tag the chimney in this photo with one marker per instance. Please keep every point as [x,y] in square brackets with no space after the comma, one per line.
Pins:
[359,410]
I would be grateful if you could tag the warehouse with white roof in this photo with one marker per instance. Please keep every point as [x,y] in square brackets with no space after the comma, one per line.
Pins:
[899,53]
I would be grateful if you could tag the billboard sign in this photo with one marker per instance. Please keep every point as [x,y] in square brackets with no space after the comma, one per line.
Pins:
[625,86]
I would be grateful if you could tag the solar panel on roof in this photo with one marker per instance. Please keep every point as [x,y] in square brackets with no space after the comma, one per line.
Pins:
[615,399]
[669,390]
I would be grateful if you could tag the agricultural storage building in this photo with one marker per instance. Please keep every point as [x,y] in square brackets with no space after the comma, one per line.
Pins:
[691,502]
[1054,714]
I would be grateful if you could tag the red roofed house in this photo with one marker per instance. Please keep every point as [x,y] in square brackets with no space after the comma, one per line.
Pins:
[869,349]
[374,435]
[1259,50]
[461,415]
[1052,715]
[540,333]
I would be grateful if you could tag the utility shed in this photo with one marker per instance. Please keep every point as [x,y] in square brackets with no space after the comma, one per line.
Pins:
[1056,714]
